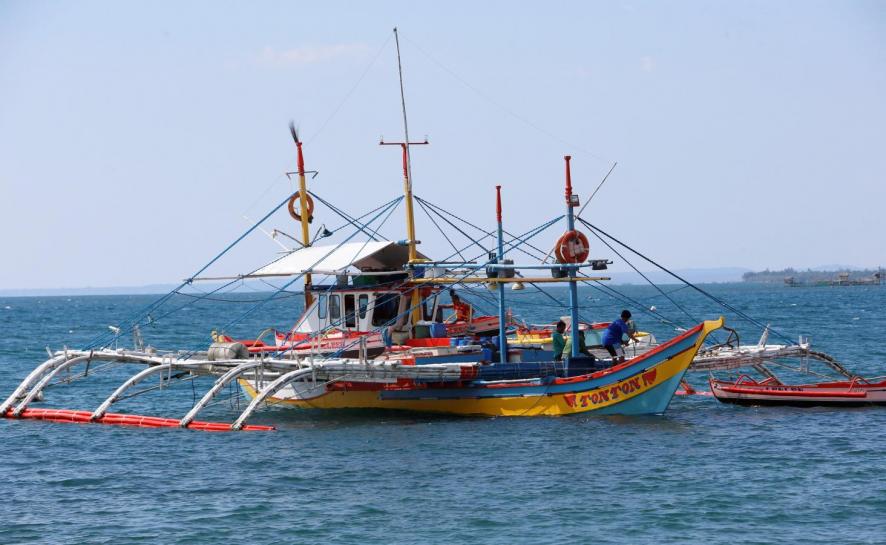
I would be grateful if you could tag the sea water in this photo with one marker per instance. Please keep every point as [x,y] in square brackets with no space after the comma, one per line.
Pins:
[704,472]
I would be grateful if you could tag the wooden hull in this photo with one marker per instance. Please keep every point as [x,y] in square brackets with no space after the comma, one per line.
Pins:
[643,385]
[746,391]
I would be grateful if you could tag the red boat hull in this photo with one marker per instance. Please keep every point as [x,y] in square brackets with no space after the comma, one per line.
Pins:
[746,391]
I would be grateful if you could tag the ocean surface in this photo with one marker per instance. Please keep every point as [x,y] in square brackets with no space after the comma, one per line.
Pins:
[703,472]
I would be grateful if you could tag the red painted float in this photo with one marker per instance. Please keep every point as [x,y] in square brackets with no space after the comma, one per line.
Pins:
[118,419]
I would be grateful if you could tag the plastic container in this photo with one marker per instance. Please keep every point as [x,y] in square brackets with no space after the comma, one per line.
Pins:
[438,330]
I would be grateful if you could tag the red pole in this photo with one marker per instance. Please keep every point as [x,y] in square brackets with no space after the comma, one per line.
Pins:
[301,160]
[405,162]
[498,203]
[568,181]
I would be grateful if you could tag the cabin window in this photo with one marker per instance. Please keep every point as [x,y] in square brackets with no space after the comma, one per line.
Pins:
[363,304]
[350,311]
[334,307]
[385,310]
[427,307]
[321,307]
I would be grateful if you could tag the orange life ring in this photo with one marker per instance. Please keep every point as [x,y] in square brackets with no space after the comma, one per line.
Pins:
[293,211]
[572,247]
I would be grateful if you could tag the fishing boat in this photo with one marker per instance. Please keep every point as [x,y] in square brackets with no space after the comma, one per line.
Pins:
[376,337]
[512,385]
[848,390]
[848,393]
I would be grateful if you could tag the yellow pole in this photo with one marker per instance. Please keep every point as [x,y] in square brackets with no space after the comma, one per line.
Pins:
[410,221]
[303,210]
[410,217]
[407,187]
[415,301]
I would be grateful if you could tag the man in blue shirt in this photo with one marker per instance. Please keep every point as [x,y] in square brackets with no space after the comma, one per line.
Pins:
[612,339]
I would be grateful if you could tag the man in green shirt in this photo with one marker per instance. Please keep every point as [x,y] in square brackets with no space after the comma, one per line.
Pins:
[582,347]
[558,341]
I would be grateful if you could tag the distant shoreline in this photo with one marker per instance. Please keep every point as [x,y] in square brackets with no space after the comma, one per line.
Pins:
[814,276]
[718,275]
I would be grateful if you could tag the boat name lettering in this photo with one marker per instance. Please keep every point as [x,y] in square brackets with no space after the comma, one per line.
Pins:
[612,393]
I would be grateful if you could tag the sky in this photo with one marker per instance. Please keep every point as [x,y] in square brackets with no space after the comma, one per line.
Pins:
[136,138]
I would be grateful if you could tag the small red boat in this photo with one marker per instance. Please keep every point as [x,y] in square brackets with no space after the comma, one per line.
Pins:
[850,393]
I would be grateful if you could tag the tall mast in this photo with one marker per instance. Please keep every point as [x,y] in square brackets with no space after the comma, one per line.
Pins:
[407,187]
[407,161]
[303,208]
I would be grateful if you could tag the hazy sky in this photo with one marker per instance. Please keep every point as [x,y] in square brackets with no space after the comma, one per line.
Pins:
[134,137]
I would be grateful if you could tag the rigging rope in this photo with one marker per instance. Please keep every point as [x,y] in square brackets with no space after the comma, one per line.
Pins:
[389,211]
[347,217]
[139,316]
[350,92]
[710,296]
[430,217]
[646,278]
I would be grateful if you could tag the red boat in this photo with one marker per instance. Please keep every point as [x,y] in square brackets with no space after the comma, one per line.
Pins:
[851,393]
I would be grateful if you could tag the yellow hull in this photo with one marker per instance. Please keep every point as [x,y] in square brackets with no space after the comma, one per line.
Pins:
[653,385]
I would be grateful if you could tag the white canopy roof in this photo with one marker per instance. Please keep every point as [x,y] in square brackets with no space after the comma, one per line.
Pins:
[372,255]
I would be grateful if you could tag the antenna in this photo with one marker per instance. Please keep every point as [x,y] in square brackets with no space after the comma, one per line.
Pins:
[587,202]
[407,162]
[403,104]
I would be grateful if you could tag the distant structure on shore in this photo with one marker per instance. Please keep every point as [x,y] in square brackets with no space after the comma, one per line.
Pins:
[794,278]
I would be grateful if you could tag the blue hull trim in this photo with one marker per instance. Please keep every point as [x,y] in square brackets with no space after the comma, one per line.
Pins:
[482,391]
[654,401]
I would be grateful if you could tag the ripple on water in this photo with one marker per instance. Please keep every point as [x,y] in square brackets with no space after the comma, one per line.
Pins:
[703,473]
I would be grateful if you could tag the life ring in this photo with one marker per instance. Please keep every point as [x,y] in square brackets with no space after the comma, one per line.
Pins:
[572,247]
[293,211]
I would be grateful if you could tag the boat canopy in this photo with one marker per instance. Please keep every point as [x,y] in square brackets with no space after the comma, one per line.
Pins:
[383,255]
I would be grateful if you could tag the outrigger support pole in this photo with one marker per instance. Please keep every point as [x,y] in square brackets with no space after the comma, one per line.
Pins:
[573,287]
[35,391]
[135,379]
[269,390]
[216,388]
[33,377]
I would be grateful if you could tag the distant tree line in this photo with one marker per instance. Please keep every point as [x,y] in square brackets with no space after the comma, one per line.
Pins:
[805,277]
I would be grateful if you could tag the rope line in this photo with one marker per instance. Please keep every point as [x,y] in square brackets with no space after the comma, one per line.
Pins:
[710,296]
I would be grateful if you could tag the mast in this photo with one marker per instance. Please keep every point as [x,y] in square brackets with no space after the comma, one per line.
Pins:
[303,209]
[407,161]
[407,188]
[502,337]
[573,287]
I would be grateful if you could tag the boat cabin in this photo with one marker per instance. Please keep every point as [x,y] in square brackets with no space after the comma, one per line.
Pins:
[363,309]
[368,291]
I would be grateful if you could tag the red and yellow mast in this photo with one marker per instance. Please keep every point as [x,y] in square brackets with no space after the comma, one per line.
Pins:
[304,214]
